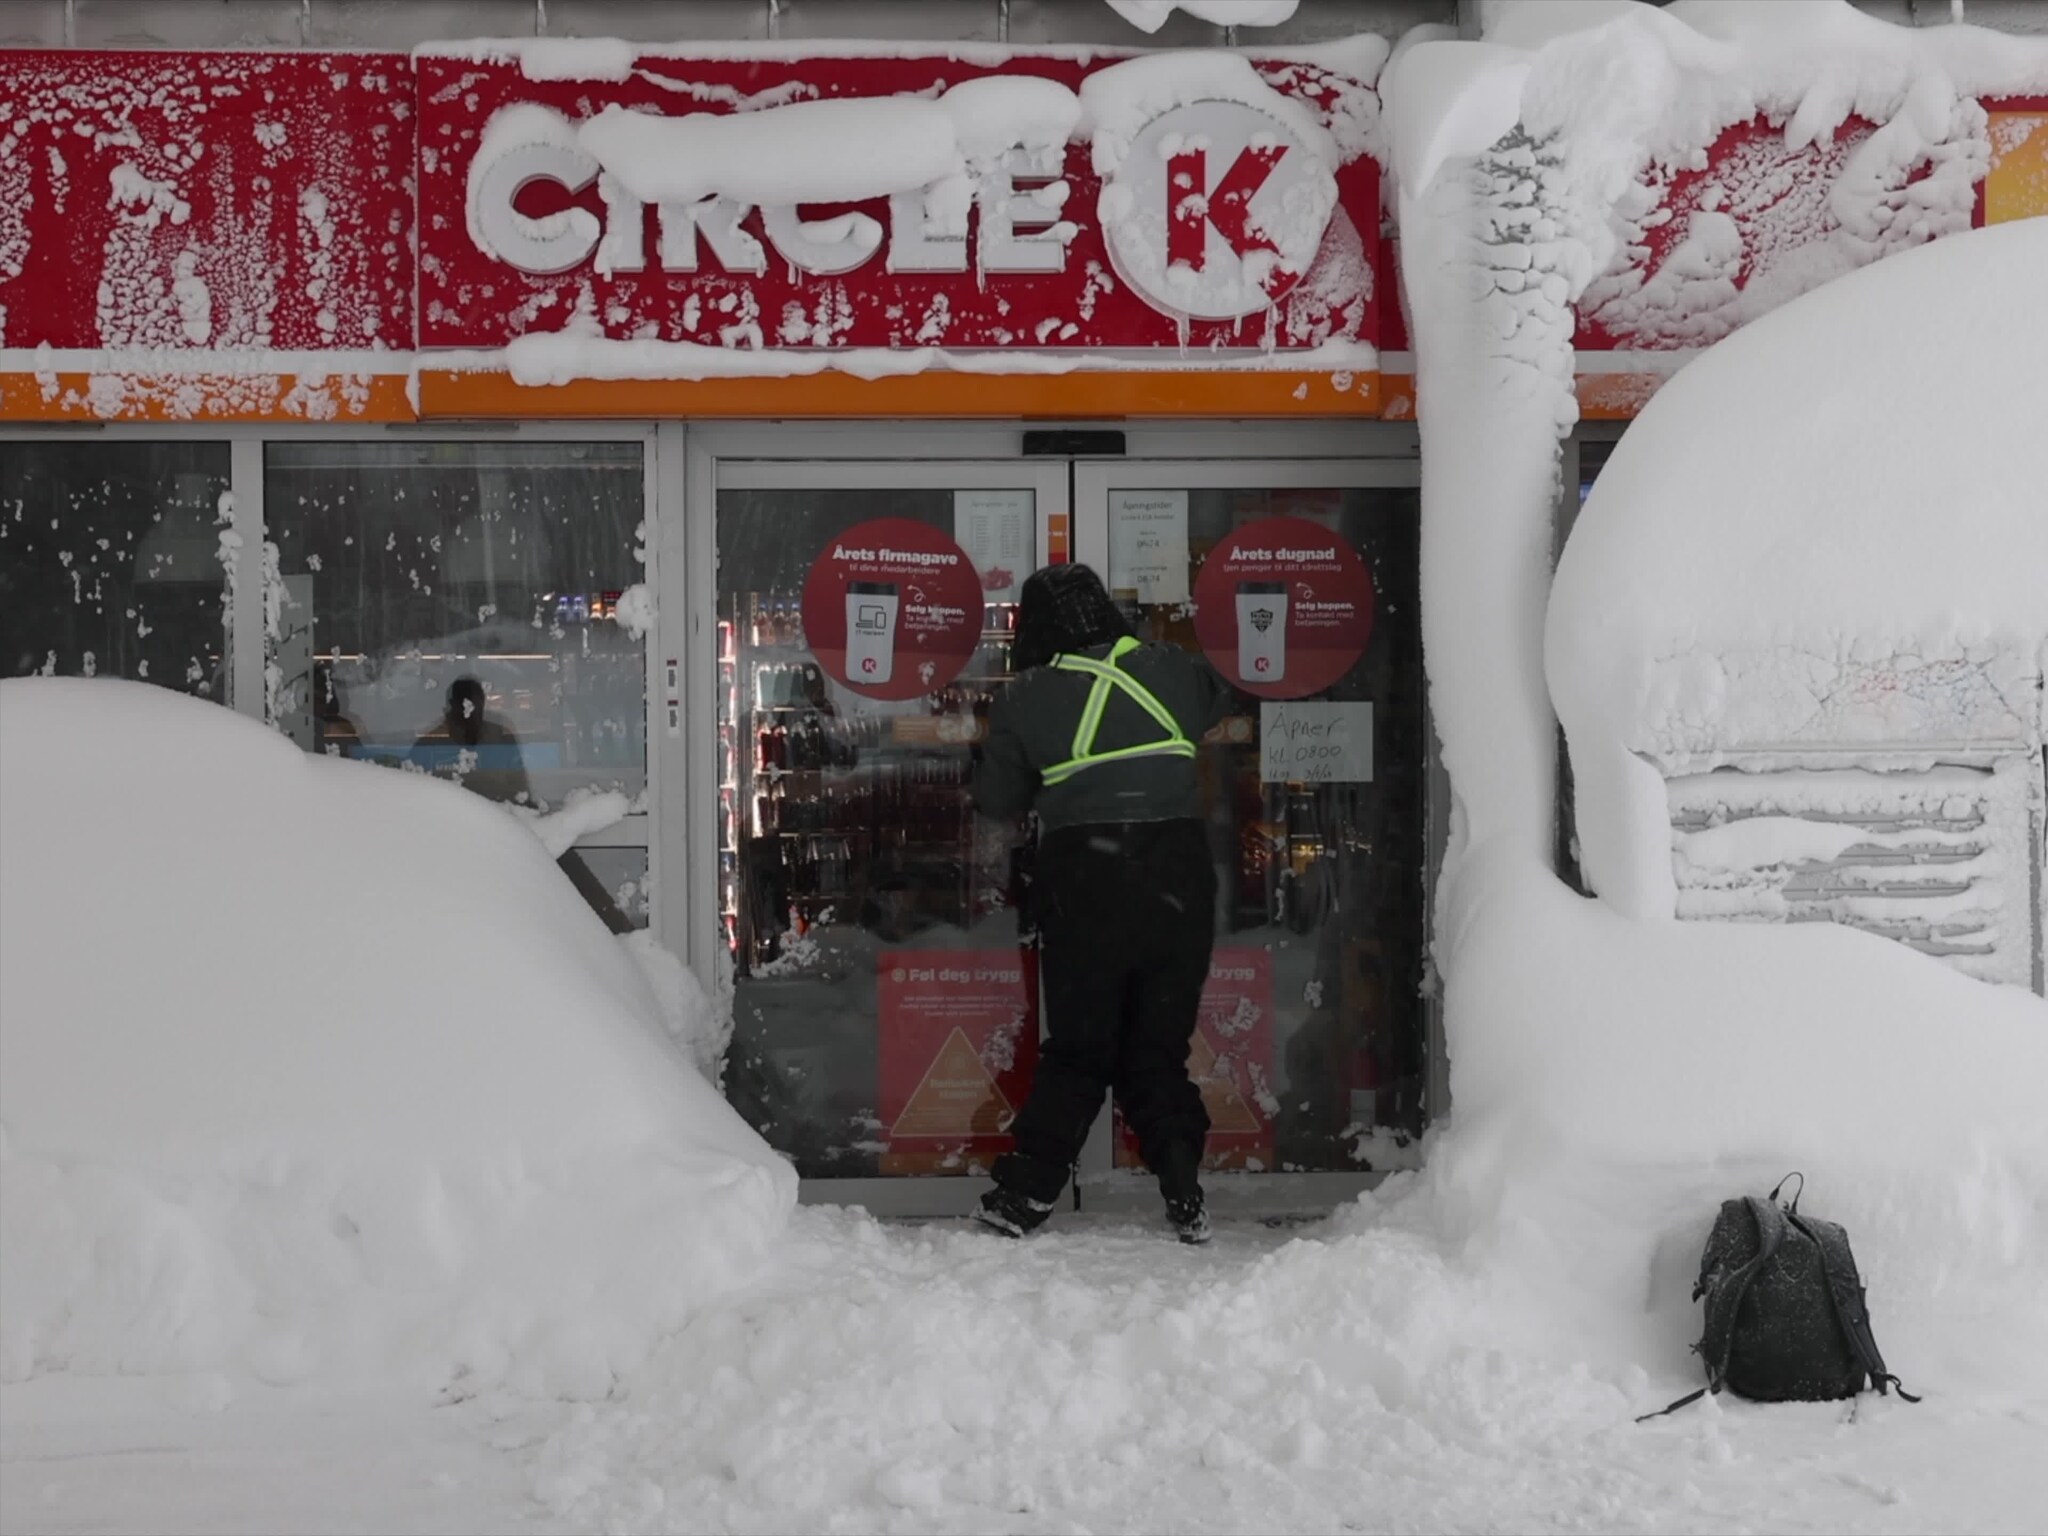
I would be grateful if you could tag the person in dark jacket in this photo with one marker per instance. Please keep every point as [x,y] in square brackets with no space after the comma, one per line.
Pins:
[1098,735]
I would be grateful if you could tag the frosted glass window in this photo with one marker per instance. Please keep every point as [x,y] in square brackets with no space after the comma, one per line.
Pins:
[110,562]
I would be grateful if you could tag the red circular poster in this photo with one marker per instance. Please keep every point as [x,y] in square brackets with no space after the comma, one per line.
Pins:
[1283,607]
[892,608]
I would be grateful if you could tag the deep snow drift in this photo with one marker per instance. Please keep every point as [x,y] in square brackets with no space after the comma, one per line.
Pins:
[315,1070]
[1829,528]
[1526,168]
[1615,1080]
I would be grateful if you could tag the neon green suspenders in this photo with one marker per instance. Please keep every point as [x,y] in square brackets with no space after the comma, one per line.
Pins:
[1109,675]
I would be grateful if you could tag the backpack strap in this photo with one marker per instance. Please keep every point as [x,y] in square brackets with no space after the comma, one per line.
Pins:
[1725,1299]
[1684,1402]
[1845,1296]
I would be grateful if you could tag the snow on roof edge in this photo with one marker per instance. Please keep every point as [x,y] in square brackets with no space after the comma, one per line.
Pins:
[1361,56]
[1336,355]
[559,357]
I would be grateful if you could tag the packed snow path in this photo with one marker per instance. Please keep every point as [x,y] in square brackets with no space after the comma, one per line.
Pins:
[1098,1377]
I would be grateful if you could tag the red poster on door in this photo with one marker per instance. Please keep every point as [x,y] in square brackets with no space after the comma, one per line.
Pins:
[892,608]
[959,1041]
[1283,607]
[1231,1061]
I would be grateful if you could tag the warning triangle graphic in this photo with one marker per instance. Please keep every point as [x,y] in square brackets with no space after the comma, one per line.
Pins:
[1227,1108]
[958,1097]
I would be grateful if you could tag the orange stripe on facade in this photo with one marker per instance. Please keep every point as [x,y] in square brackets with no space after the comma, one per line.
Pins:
[2016,186]
[226,398]
[1602,396]
[1616,396]
[445,396]
[938,394]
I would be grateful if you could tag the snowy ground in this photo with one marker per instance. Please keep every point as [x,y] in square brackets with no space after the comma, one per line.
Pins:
[931,1378]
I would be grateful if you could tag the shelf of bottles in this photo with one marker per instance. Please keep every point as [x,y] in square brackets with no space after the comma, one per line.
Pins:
[834,809]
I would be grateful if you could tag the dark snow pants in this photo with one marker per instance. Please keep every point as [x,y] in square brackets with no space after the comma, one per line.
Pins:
[1126,920]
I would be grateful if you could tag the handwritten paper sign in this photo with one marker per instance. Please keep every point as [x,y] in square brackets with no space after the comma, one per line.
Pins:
[1309,741]
[1148,544]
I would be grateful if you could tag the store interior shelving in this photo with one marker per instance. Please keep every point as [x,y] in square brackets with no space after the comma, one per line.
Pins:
[835,809]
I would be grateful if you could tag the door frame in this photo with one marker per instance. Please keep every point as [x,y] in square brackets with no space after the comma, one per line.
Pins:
[1094,479]
[797,455]
[762,459]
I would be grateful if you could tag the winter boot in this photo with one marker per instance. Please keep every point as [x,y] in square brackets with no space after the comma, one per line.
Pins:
[1178,1167]
[1190,1219]
[1011,1213]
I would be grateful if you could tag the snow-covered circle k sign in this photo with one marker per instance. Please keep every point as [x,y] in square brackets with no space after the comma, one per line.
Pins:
[892,608]
[1217,210]
[1283,607]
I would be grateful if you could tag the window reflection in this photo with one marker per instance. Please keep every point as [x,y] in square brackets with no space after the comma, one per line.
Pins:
[110,562]
[449,607]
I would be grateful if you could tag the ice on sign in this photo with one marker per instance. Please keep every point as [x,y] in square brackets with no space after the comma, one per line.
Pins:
[1311,741]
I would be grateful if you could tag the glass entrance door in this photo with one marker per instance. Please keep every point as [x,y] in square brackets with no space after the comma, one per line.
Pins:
[1299,581]
[885,1015]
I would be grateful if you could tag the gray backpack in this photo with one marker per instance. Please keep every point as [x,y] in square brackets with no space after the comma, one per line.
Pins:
[1786,1318]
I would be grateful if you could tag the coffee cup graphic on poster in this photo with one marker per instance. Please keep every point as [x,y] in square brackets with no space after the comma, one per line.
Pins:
[1262,630]
[892,608]
[1283,606]
[871,630]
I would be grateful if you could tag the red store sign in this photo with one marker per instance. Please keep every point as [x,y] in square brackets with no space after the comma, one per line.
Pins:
[637,209]
[157,207]
[360,236]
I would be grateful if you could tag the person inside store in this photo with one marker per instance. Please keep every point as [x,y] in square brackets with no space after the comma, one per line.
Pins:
[1097,736]
[487,759]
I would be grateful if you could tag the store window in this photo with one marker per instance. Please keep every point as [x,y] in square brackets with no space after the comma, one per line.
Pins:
[885,1014]
[451,608]
[1594,453]
[110,562]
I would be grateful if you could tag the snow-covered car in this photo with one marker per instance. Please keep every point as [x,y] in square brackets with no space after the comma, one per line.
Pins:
[313,1070]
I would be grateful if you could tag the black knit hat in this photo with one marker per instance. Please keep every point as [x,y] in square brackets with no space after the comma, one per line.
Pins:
[1064,608]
